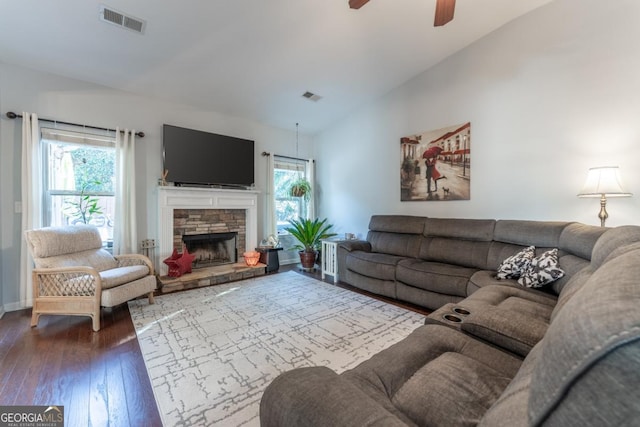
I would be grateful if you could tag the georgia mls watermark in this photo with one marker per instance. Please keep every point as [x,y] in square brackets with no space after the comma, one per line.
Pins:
[31,416]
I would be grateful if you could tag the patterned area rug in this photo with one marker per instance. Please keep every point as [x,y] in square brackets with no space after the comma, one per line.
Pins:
[210,352]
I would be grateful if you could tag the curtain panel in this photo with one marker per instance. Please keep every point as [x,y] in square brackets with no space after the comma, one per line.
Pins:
[125,238]
[31,190]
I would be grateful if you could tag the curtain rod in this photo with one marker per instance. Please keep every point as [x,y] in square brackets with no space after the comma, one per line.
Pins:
[13,115]
[265,153]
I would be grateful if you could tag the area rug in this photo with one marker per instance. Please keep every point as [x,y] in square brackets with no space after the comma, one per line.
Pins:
[210,352]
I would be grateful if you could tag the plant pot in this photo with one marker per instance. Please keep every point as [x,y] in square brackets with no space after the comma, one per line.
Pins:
[307,259]
[298,192]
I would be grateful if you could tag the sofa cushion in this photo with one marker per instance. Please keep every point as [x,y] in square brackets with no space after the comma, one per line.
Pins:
[571,265]
[533,303]
[117,276]
[513,266]
[611,240]
[541,270]
[591,352]
[434,276]
[511,407]
[453,389]
[516,331]
[376,265]
[545,234]
[385,374]
[404,245]
[480,230]
[465,253]
[579,239]
[403,224]
[483,278]
[386,288]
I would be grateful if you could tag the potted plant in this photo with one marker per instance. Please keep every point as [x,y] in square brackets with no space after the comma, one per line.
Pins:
[309,234]
[84,209]
[300,188]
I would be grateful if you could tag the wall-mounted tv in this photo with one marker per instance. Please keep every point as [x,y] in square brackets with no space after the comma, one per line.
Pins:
[193,157]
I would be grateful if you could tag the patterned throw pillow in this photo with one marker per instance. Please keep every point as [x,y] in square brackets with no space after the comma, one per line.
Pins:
[515,265]
[542,270]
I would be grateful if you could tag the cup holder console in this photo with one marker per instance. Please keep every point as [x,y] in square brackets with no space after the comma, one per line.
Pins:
[452,318]
[461,311]
[450,314]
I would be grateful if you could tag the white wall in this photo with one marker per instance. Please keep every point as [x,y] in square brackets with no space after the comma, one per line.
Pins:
[548,96]
[71,100]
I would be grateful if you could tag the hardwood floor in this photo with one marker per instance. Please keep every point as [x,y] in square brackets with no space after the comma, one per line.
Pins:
[99,378]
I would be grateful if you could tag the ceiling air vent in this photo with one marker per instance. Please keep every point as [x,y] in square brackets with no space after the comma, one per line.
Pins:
[311,96]
[122,20]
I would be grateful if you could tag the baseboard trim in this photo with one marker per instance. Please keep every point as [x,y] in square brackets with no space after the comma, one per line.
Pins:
[14,306]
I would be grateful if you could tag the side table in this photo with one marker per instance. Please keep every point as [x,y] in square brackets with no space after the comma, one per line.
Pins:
[269,257]
[329,258]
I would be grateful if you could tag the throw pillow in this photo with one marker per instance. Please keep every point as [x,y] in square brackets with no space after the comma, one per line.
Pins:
[514,266]
[542,270]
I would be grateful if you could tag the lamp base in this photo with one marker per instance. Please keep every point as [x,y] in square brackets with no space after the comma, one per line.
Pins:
[603,215]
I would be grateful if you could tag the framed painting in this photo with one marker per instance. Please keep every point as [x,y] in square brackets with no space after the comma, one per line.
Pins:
[436,165]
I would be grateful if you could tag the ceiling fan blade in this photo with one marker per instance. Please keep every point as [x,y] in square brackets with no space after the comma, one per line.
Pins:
[444,12]
[357,4]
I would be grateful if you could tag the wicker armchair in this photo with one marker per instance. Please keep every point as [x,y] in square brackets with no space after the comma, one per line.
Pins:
[73,275]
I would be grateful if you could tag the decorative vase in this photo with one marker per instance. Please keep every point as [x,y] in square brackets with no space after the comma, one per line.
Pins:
[307,259]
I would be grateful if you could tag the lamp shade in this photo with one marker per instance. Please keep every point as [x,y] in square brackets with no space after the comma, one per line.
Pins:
[603,180]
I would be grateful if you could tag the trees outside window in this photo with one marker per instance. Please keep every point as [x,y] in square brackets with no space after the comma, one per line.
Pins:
[79,182]
[287,207]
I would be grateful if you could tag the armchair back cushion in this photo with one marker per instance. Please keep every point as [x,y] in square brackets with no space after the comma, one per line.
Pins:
[70,246]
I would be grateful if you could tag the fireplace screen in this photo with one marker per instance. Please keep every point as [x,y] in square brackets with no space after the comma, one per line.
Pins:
[212,248]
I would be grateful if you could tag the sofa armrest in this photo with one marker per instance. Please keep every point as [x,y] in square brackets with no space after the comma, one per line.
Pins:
[66,282]
[134,259]
[511,330]
[318,396]
[344,248]
[355,245]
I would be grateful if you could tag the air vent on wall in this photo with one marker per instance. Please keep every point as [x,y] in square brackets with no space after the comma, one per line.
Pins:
[311,96]
[112,16]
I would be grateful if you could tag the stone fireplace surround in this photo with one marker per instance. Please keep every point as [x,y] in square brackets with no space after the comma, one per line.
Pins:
[172,198]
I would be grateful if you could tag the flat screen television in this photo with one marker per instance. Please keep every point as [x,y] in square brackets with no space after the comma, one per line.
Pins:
[193,157]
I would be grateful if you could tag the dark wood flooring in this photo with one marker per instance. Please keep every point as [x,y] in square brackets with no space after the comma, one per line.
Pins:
[99,377]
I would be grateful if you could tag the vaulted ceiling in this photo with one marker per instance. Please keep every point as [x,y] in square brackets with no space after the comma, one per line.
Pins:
[248,58]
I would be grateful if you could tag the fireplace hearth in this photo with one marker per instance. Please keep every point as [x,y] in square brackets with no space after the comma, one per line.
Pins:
[211,249]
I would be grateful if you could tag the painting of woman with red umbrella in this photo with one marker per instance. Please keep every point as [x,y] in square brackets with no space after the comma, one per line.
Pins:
[431,157]
[446,155]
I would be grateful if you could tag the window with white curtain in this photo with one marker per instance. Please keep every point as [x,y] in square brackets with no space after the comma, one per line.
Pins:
[79,180]
[285,172]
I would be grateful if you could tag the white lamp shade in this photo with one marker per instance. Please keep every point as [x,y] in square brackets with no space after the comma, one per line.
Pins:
[604,180]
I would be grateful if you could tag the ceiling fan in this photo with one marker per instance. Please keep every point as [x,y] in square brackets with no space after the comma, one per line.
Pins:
[444,10]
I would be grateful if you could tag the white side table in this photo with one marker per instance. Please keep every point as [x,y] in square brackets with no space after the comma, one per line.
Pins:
[329,258]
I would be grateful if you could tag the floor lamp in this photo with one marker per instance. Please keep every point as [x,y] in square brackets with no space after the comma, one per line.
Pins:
[603,182]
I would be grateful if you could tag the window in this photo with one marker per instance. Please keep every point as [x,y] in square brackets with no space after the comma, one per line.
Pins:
[79,180]
[285,172]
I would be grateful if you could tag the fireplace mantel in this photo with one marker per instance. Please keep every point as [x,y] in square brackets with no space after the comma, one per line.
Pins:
[170,198]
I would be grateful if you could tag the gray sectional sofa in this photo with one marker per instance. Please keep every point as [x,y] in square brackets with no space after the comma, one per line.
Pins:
[493,353]
[433,261]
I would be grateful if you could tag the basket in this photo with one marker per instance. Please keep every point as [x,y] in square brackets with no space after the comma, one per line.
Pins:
[251,258]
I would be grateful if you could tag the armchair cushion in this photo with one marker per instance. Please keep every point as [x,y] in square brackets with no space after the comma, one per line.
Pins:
[120,275]
[99,259]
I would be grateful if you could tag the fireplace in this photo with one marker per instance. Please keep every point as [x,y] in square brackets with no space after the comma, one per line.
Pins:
[231,205]
[212,249]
